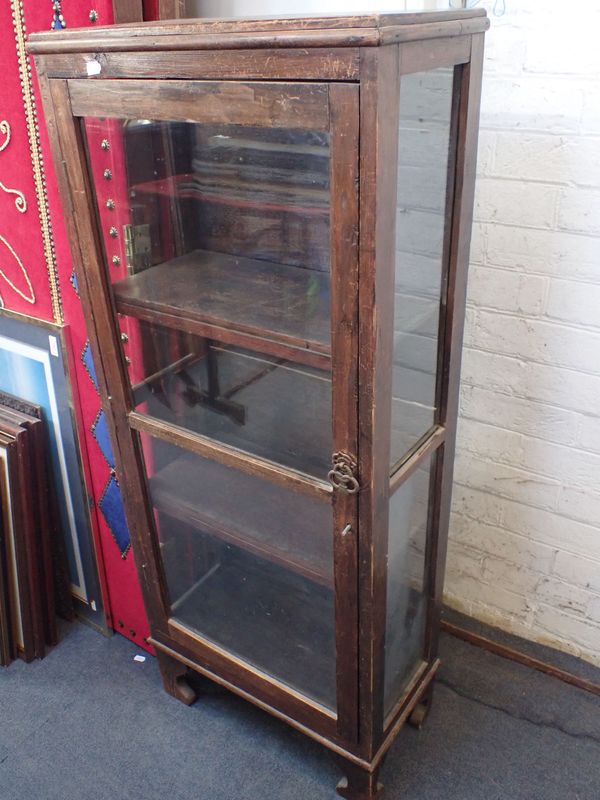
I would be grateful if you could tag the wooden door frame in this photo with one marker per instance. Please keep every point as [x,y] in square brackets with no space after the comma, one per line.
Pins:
[344,193]
[379,107]
[339,728]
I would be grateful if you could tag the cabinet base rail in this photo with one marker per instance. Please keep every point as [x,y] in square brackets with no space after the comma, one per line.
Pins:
[357,785]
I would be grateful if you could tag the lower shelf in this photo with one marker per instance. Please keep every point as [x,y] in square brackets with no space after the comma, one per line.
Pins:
[276,621]
[244,510]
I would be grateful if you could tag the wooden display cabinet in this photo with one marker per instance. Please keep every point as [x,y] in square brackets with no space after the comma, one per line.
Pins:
[278,343]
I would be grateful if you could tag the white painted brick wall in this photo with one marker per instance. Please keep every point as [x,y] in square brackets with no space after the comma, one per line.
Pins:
[525,531]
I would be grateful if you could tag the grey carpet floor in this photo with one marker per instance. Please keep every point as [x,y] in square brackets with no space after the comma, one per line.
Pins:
[89,723]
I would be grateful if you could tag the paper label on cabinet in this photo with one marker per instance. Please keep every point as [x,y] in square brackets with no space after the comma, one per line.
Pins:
[93,67]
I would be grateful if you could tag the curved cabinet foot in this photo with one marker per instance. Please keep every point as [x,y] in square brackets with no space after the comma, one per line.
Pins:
[420,712]
[359,784]
[174,677]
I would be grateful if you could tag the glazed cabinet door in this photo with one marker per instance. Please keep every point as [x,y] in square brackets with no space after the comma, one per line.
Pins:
[226,216]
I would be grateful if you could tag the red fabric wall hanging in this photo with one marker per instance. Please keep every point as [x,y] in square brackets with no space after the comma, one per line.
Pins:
[37,279]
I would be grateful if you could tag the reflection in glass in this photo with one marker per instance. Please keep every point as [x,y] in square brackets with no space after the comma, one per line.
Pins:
[264,405]
[223,287]
[424,135]
[406,602]
[217,242]
[248,565]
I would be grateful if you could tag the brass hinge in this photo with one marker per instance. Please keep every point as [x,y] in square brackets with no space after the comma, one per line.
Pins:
[138,247]
[343,475]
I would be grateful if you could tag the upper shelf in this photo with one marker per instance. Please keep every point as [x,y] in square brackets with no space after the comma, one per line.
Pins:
[271,308]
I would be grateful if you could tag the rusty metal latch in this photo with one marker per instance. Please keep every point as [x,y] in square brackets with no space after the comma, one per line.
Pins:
[342,476]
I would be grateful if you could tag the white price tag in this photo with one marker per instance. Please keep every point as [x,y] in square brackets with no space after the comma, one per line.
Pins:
[93,67]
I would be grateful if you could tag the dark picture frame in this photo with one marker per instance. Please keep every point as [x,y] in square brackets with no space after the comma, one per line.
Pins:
[34,366]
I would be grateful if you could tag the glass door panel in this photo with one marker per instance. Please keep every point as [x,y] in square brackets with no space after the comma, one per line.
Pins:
[421,226]
[222,278]
[217,247]
[248,566]
[268,406]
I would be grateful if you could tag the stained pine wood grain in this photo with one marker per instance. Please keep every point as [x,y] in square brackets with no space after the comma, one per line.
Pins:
[316,63]
[272,105]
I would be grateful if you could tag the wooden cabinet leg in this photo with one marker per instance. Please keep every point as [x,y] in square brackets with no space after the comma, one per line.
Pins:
[421,711]
[359,784]
[174,676]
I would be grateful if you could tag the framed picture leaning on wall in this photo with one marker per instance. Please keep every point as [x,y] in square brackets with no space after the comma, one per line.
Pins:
[33,366]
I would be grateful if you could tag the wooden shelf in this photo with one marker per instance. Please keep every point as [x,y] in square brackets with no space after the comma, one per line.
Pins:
[276,524]
[270,308]
[272,619]
[312,202]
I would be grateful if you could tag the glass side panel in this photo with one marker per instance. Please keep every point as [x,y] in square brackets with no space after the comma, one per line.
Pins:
[248,565]
[406,603]
[424,138]
[217,240]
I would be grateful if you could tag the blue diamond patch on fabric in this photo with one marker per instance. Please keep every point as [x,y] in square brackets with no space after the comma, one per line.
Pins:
[58,21]
[74,283]
[88,363]
[100,434]
[111,506]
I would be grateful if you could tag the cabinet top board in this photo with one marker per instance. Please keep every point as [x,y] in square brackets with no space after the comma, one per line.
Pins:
[366,30]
